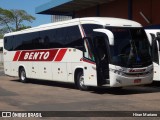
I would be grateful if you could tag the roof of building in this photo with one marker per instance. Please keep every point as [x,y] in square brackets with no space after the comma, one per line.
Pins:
[67,7]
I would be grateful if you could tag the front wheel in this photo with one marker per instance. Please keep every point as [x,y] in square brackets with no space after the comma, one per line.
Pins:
[80,82]
[22,75]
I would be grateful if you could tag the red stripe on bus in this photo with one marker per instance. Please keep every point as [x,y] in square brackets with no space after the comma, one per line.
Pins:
[16,56]
[61,55]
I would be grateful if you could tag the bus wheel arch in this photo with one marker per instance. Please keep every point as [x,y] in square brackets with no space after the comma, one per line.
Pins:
[79,79]
[22,74]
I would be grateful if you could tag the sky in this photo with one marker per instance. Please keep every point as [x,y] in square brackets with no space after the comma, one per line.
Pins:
[29,6]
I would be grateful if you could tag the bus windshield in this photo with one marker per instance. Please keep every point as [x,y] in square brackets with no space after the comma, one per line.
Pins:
[131,47]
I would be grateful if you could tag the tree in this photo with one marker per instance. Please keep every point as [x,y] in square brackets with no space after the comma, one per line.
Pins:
[5,19]
[13,20]
[19,16]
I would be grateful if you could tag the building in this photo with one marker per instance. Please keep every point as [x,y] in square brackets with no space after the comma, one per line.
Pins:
[143,11]
[57,18]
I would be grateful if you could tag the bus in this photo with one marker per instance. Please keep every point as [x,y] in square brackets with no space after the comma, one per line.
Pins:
[93,51]
[154,38]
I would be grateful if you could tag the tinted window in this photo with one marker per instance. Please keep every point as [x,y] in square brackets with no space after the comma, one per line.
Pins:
[17,42]
[54,38]
[131,47]
[32,41]
[64,37]
[60,38]
[8,43]
[88,29]
[74,38]
[26,41]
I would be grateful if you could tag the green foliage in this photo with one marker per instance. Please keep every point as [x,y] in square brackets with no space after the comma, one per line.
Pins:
[13,20]
[1,36]
[5,18]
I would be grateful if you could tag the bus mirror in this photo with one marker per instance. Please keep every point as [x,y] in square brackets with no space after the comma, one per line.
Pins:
[108,33]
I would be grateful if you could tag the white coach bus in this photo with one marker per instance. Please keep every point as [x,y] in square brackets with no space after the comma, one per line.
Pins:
[85,51]
[154,37]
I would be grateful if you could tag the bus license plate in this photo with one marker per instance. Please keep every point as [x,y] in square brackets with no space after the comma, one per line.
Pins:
[137,81]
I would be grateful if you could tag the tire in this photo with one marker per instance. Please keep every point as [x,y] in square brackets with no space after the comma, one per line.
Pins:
[80,82]
[22,75]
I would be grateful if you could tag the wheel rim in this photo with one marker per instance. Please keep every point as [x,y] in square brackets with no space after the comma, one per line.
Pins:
[23,75]
[81,81]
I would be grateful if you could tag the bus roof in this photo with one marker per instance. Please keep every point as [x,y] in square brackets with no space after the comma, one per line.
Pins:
[109,21]
[105,21]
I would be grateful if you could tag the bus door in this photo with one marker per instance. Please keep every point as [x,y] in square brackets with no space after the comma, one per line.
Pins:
[90,70]
[102,57]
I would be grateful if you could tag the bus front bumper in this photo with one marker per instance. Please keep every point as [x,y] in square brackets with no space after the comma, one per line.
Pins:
[121,81]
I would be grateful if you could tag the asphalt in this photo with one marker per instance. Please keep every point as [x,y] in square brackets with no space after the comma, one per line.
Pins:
[55,96]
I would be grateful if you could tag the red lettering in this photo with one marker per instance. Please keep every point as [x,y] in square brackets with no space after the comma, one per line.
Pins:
[35,55]
[38,55]
[46,55]
[31,55]
[41,54]
[26,56]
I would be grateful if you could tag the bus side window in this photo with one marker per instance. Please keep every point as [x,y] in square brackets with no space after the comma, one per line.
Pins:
[60,38]
[5,43]
[8,43]
[73,38]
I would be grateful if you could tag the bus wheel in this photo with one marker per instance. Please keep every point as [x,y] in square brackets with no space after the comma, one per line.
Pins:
[80,82]
[22,75]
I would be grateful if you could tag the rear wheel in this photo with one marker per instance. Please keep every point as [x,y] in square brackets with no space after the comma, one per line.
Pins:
[22,75]
[80,81]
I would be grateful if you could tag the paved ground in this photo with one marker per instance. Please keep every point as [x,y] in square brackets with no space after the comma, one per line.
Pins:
[53,96]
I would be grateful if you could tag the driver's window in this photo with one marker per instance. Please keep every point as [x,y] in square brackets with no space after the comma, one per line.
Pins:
[100,47]
[88,51]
